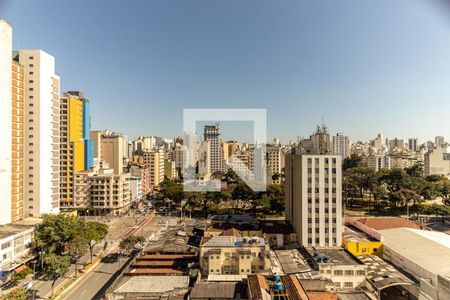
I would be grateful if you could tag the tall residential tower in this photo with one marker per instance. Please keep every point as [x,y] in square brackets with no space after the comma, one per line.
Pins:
[313,191]
[41,132]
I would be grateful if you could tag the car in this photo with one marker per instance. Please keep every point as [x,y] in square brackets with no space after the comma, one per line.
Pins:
[162,209]
[163,222]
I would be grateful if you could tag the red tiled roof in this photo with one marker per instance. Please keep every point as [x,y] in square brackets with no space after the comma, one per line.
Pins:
[388,223]
[255,283]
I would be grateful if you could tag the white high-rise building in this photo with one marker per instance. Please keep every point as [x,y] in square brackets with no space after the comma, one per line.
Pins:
[42,124]
[212,134]
[436,162]
[313,190]
[341,145]
[5,121]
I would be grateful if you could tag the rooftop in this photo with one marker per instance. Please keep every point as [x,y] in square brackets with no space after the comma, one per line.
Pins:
[338,256]
[429,249]
[276,226]
[291,261]
[218,290]
[382,274]
[382,223]
[232,241]
[152,284]
[17,227]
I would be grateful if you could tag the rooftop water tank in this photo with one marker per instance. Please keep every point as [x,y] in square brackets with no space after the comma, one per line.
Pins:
[275,277]
[278,286]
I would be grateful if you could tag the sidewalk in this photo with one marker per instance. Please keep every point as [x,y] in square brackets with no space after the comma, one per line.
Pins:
[119,227]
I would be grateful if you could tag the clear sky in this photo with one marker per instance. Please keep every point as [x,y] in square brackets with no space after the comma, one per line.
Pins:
[364,66]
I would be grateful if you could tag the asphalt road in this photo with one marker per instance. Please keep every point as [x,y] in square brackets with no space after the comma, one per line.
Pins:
[88,286]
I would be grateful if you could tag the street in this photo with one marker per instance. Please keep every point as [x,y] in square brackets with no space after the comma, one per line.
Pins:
[92,282]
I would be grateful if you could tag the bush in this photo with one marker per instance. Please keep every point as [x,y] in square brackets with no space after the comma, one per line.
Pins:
[430,209]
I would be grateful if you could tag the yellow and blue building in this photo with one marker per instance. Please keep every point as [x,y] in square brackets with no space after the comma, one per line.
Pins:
[76,150]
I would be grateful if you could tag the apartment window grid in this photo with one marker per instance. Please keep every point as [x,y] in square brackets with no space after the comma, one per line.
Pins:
[321,211]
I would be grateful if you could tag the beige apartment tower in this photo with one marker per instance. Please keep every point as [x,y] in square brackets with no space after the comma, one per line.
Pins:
[313,191]
[154,160]
[41,132]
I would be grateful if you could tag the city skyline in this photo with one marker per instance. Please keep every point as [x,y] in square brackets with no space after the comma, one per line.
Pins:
[358,78]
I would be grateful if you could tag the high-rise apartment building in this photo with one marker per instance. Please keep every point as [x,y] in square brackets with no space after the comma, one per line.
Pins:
[76,149]
[5,122]
[378,161]
[413,144]
[204,160]
[397,143]
[318,143]
[111,147]
[41,132]
[273,163]
[436,162]
[439,142]
[17,174]
[212,134]
[154,160]
[341,145]
[313,191]
[110,193]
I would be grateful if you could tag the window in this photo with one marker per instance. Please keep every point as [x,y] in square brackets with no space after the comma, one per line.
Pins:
[31,65]
[348,284]
[338,273]
[349,273]
[6,245]
[360,273]
[31,57]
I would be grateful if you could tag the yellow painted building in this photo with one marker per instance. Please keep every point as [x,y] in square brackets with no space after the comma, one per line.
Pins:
[359,246]
[72,144]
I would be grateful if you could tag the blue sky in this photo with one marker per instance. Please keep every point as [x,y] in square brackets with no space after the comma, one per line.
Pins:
[364,66]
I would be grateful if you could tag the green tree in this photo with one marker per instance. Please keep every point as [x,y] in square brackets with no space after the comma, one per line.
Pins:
[403,196]
[94,233]
[56,232]
[352,161]
[129,243]
[443,190]
[78,247]
[55,266]
[19,293]
[394,179]
[415,170]
[172,190]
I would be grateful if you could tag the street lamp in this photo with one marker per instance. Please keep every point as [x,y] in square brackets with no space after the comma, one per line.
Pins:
[41,256]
